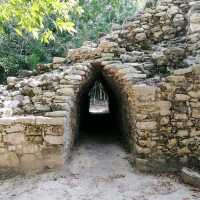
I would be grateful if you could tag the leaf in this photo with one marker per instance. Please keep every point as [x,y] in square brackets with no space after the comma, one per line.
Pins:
[19,32]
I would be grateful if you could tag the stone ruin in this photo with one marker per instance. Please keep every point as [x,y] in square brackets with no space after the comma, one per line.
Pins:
[151,65]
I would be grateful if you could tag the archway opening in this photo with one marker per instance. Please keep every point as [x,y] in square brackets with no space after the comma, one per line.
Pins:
[99,112]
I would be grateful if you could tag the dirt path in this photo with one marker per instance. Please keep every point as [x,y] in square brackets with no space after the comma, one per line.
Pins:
[98,171]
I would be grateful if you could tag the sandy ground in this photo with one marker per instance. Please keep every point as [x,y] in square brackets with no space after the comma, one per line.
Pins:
[99,170]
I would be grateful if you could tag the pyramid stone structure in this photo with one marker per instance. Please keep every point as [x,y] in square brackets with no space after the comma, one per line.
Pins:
[151,62]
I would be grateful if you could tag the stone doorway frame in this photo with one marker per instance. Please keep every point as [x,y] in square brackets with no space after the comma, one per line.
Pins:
[71,118]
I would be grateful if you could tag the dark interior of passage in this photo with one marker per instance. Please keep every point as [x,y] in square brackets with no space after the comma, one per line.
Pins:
[106,124]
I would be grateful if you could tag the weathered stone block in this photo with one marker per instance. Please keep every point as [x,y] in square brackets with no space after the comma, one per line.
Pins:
[54,140]
[146,125]
[55,114]
[58,60]
[164,107]
[30,149]
[182,97]
[194,94]
[183,133]
[144,93]
[194,133]
[142,150]
[15,128]
[190,177]
[14,138]
[140,37]
[183,71]
[180,116]
[196,113]
[66,91]
[9,160]
[30,162]
[196,69]
[183,151]
[49,121]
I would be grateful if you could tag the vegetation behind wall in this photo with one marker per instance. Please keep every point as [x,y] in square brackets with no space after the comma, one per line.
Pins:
[24,53]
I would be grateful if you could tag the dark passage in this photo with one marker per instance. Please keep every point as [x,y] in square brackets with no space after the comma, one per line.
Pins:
[99,112]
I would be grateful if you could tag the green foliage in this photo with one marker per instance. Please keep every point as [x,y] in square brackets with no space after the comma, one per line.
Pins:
[98,17]
[20,48]
[31,16]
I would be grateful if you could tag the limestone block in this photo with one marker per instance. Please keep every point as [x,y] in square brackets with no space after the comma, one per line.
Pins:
[183,151]
[2,144]
[180,116]
[62,99]
[196,69]
[37,91]
[15,128]
[14,138]
[194,133]
[30,148]
[190,177]
[66,91]
[144,93]
[179,20]
[142,164]
[9,160]
[159,58]
[2,150]
[195,104]
[58,60]
[12,148]
[55,114]
[188,141]
[172,143]
[54,140]
[6,121]
[48,94]
[74,77]
[195,94]
[82,67]
[35,139]
[164,107]
[196,113]
[30,162]
[183,133]
[183,71]
[12,81]
[142,150]
[53,158]
[49,121]
[146,125]
[54,130]
[25,120]
[42,107]
[164,120]
[107,46]
[182,97]
[194,20]
[82,53]
[141,117]
[141,37]
[176,79]
[173,10]
[157,34]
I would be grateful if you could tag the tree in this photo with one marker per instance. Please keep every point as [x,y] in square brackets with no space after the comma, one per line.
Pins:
[18,53]
[34,16]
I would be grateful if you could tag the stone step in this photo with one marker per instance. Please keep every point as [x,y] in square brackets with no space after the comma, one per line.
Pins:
[190,177]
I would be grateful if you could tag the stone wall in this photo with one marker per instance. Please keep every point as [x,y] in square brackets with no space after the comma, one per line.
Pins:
[168,127]
[28,143]
[159,112]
